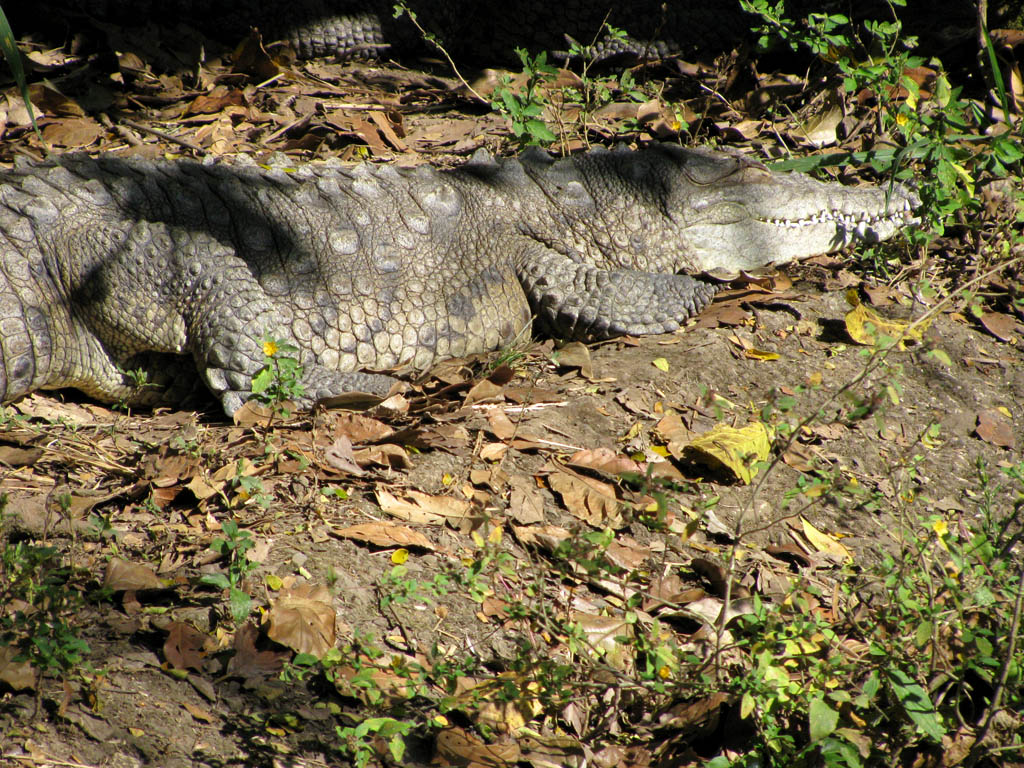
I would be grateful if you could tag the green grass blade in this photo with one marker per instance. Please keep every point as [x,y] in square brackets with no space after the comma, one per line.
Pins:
[10,51]
[997,76]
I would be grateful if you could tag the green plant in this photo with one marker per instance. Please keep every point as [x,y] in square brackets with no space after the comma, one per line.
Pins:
[523,109]
[940,645]
[595,92]
[13,57]
[398,587]
[948,135]
[234,546]
[280,378]
[251,487]
[358,739]
[188,447]
[37,607]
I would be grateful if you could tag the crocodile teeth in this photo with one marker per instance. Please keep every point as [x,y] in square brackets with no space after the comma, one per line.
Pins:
[847,220]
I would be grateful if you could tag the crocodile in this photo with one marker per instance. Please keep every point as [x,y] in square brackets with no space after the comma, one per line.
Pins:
[489,32]
[113,264]
[468,29]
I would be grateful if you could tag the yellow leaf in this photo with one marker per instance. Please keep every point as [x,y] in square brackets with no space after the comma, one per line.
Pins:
[273,582]
[760,354]
[399,556]
[718,400]
[494,537]
[824,542]
[731,448]
[865,326]
[746,706]
[894,396]
[965,177]
[632,432]
[1005,411]
[660,363]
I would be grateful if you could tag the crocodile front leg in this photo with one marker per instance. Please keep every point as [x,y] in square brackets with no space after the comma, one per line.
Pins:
[579,301]
[169,290]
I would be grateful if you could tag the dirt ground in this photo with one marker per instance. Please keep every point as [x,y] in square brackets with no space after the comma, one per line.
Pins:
[514,456]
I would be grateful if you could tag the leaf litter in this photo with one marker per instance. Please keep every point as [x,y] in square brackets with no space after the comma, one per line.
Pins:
[166,481]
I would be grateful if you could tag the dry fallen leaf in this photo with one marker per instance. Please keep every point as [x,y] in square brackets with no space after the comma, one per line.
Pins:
[605,460]
[73,133]
[526,504]
[122,575]
[385,535]
[1000,325]
[824,542]
[19,675]
[865,326]
[423,508]
[993,427]
[198,712]
[13,456]
[546,536]
[732,449]
[183,647]
[601,633]
[627,553]
[250,663]
[590,500]
[386,455]
[359,428]
[753,353]
[493,451]
[302,618]
[820,129]
[575,354]
[339,455]
[484,391]
[383,686]
[456,746]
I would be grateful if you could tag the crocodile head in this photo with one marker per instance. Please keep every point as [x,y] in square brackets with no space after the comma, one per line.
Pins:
[732,213]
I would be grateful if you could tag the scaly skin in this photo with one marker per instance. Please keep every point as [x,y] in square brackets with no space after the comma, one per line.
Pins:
[469,29]
[109,264]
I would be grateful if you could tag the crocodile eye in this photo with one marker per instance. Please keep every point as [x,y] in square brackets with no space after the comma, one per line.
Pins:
[718,213]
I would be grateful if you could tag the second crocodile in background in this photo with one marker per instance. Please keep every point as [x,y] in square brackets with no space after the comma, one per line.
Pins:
[109,264]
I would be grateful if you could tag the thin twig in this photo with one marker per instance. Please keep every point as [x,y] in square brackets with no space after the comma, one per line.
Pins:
[165,136]
[978,748]
[433,41]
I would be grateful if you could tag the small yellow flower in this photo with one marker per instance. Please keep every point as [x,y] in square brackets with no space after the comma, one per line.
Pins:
[269,348]
[941,528]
